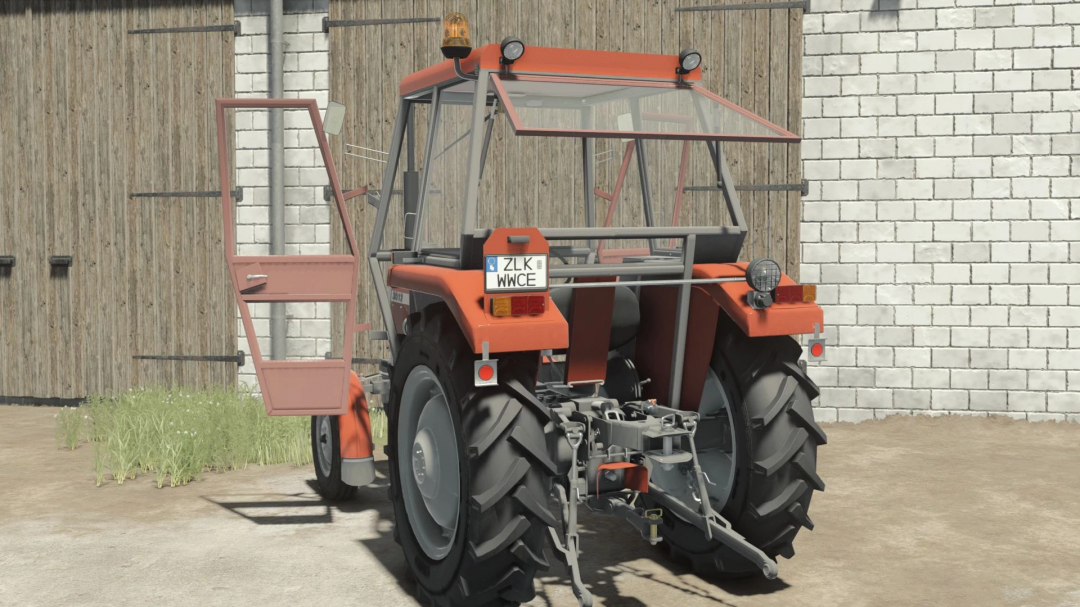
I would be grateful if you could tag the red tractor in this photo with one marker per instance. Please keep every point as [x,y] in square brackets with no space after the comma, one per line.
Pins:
[618,358]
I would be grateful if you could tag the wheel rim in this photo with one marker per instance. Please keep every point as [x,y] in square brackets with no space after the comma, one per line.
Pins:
[428,468]
[325,451]
[718,466]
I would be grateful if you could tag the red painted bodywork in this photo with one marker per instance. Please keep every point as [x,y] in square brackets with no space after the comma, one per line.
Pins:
[590,332]
[463,292]
[778,319]
[547,60]
[635,476]
[354,428]
[656,339]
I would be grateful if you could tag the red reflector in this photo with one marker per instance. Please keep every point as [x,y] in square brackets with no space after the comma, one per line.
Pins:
[486,372]
[527,305]
[536,304]
[796,293]
[817,350]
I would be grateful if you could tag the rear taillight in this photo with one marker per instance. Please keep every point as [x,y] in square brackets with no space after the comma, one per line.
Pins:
[795,293]
[518,305]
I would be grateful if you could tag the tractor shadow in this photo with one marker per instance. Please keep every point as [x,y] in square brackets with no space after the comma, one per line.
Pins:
[614,557]
[301,508]
[612,553]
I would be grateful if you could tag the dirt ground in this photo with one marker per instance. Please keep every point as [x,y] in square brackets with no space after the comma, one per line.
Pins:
[917,511]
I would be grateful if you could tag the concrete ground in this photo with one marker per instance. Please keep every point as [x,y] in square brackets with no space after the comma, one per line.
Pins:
[918,511]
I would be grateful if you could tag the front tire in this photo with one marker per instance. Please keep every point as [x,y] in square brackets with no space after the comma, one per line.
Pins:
[776,441]
[485,548]
[326,453]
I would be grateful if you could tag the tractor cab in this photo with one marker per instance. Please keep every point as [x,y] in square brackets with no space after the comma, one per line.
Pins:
[555,258]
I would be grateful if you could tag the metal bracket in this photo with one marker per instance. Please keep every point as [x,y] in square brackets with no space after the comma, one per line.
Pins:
[327,23]
[803,4]
[567,550]
[240,359]
[803,187]
[356,360]
[7,261]
[61,261]
[234,28]
[237,194]
[645,521]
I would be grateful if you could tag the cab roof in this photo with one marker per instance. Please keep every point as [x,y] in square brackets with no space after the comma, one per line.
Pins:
[554,61]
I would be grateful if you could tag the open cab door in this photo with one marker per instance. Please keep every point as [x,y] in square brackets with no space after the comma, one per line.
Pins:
[292,387]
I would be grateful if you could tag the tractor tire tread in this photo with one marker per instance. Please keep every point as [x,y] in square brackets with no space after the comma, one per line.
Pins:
[502,423]
[776,433]
[513,475]
[537,453]
[505,526]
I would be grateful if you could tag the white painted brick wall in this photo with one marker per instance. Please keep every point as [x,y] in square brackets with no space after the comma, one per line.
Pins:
[942,145]
[307,215]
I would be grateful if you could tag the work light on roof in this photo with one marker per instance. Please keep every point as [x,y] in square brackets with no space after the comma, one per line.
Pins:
[456,44]
[688,60]
[512,49]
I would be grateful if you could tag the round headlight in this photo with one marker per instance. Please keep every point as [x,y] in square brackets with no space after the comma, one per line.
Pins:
[688,60]
[763,274]
[512,49]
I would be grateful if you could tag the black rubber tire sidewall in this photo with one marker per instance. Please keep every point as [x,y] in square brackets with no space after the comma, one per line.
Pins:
[331,487]
[449,358]
[770,357]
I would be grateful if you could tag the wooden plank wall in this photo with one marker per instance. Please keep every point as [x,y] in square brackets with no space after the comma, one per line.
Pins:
[751,57]
[90,114]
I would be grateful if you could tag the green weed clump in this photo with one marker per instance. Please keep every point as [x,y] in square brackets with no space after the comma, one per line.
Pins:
[178,434]
[377,416]
[69,427]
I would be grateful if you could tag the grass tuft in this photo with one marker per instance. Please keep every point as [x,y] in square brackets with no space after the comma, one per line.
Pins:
[69,427]
[179,434]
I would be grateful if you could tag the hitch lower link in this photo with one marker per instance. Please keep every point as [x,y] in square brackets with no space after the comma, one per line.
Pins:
[710,522]
[567,547]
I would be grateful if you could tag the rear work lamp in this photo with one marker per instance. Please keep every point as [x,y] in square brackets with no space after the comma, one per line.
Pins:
[518,305]
[456,44]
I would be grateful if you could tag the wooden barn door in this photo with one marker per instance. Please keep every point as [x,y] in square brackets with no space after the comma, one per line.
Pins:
[91,114]
[183,328]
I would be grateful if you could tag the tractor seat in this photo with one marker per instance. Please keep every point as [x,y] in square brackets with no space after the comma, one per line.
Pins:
[625,315]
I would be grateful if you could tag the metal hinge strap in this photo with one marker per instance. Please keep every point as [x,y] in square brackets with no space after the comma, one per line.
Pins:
[234,28]
[239,359]
[238,194]
[803,188]
[803,4]
[327,23]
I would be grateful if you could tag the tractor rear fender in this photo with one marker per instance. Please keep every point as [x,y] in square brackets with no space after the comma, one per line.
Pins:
[777,319]
[656,339]
[463,292]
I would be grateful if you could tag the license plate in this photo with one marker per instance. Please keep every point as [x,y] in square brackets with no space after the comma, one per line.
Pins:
[515,273]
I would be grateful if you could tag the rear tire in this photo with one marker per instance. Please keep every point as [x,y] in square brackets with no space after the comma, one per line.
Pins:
[326,453]
[496,544]
[776,441]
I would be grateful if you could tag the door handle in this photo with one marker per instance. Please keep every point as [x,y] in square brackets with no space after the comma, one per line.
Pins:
[256,276]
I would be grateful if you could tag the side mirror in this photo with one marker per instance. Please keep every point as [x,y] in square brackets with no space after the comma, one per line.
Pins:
[333,118]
